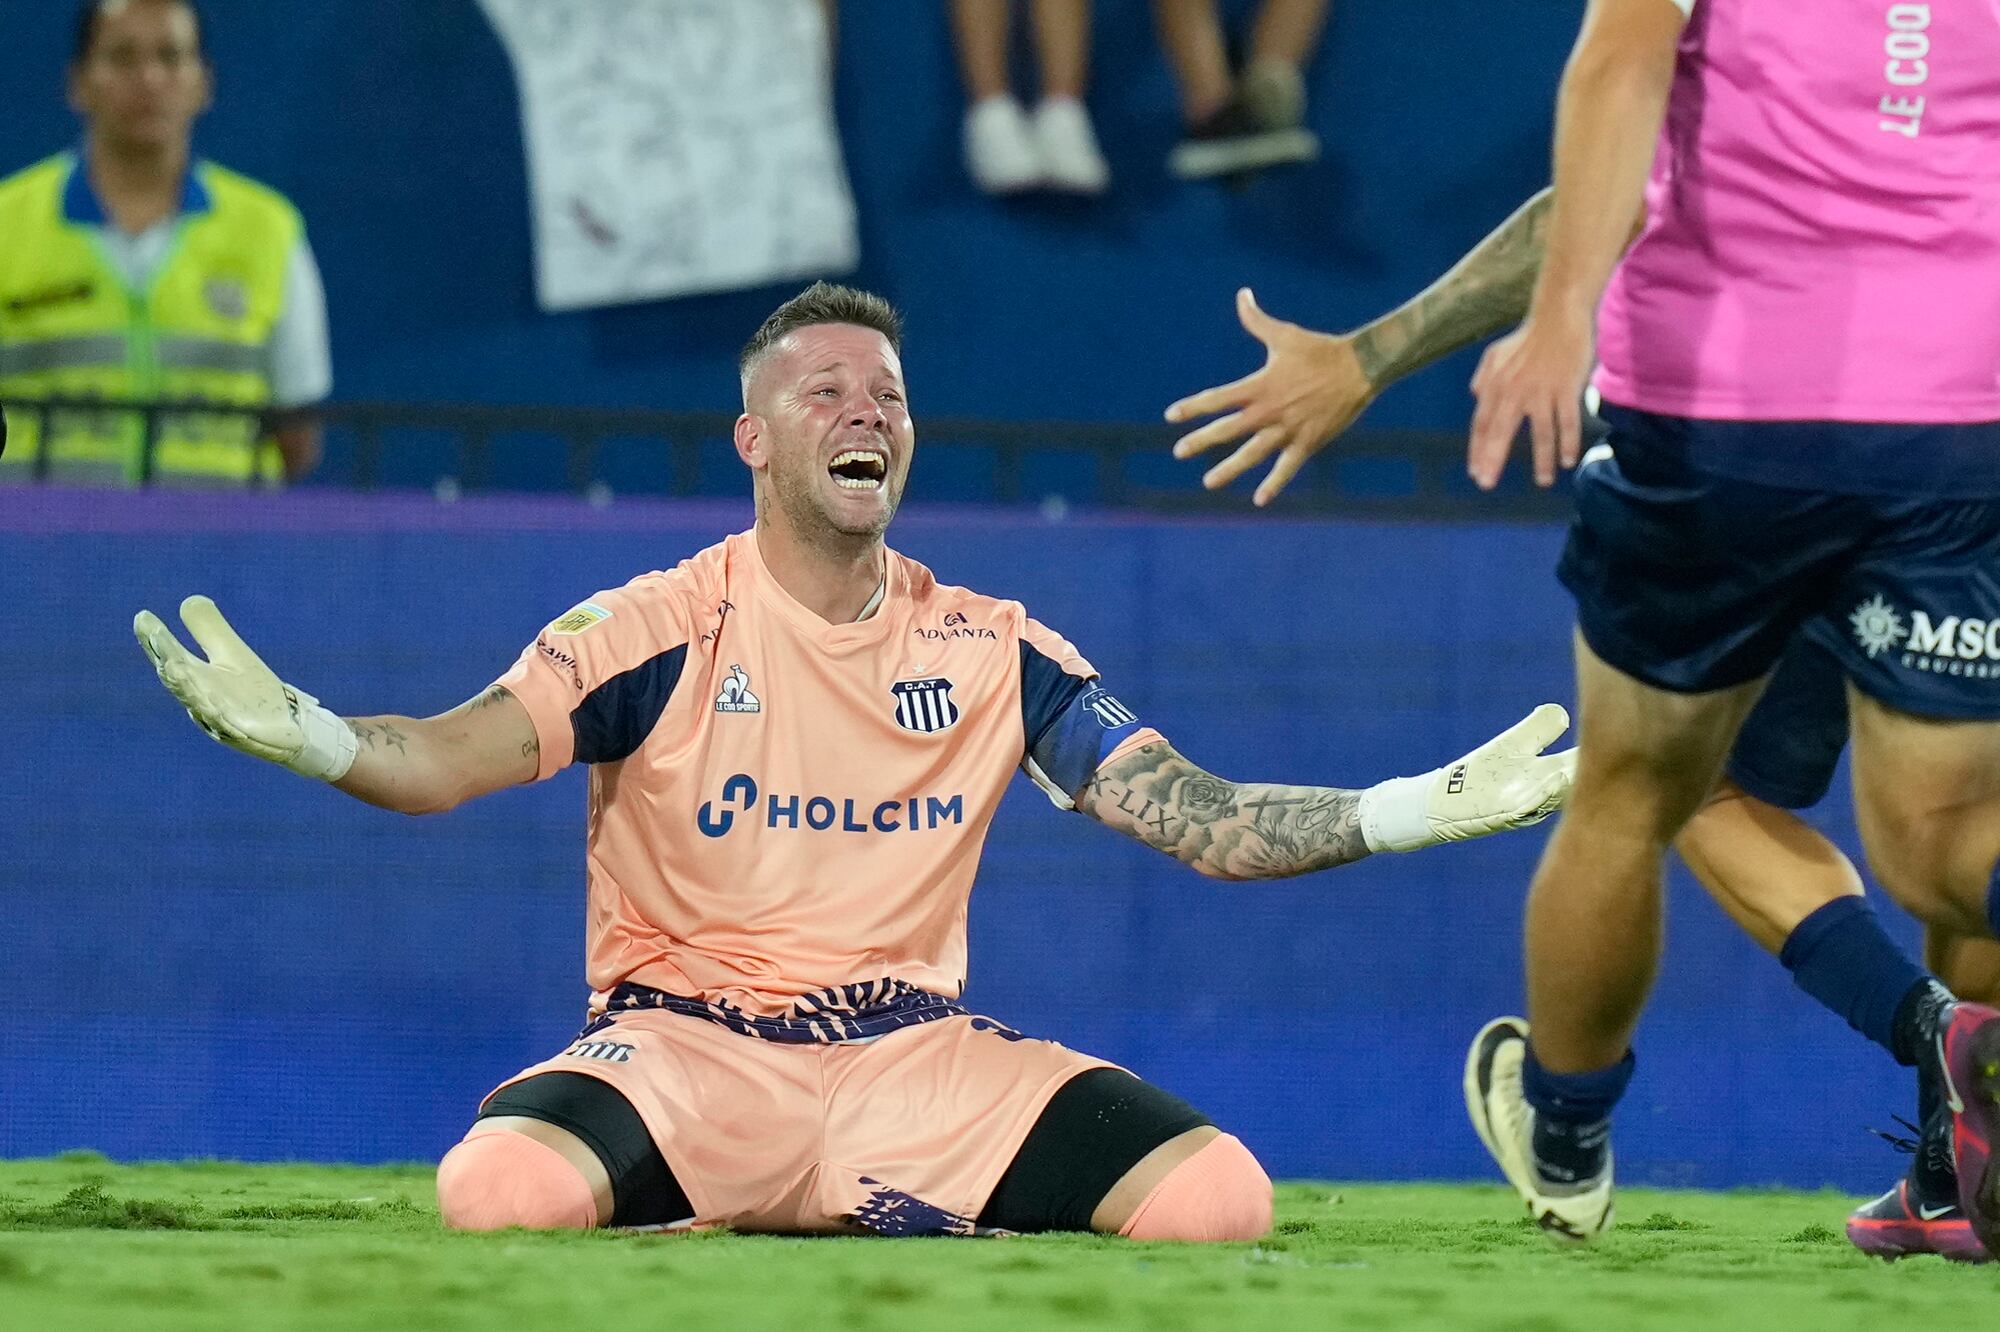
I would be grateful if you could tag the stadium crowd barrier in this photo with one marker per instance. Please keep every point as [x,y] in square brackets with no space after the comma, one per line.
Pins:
[605,453]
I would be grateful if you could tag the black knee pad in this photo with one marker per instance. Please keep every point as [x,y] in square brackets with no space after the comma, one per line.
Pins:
[644,1191]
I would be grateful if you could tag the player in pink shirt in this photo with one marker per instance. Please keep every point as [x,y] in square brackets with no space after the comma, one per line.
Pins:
[1787,885]
[1801,375]
[796,740]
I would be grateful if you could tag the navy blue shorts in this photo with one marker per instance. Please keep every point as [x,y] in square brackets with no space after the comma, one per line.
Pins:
[1790,744]
[1691,581]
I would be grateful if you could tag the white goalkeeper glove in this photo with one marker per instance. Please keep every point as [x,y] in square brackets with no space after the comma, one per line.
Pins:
[1505,783]
[237,699]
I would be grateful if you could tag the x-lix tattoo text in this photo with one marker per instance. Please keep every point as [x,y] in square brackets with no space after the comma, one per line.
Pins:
[1228,830]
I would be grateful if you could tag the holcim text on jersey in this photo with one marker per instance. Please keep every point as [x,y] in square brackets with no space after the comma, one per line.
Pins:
[822,813]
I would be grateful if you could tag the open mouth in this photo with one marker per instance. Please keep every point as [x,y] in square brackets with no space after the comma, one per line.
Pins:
[859,469]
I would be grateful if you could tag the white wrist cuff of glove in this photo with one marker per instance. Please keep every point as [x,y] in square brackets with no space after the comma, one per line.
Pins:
[330,743]
[1392,814]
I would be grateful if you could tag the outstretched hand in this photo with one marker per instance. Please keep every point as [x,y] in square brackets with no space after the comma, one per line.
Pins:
[1536,374]
[239,700]
[1310,389]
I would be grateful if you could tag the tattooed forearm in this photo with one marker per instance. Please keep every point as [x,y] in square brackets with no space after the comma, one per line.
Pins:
[1228,830]
[1486,291]
[425,765]
[370,732]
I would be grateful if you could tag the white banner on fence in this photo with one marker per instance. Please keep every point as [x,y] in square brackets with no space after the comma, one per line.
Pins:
[677,146]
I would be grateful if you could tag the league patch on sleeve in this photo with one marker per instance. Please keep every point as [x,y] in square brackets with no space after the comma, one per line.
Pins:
[579,619]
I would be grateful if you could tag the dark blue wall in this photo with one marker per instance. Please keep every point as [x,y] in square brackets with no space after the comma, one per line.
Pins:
[394,126]
[200,954]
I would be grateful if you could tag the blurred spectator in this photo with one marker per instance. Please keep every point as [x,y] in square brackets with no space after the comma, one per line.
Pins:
[1007,148]
[132,271]
[1238,124]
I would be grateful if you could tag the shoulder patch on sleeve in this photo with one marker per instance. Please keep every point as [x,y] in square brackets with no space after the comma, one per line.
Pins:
[1110,713]
[1071,723]
[579,618]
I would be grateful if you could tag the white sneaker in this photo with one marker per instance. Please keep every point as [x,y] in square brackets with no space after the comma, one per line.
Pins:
[1070,159]
[1000,149]
[1505,1122]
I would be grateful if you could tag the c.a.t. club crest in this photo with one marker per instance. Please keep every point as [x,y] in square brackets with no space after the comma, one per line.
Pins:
[924,705]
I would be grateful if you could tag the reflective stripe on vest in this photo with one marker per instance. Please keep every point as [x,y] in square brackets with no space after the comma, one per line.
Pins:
[89,350]
[229,358]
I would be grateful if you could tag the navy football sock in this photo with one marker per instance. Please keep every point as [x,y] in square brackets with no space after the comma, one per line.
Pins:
[1993,902]
[1840,956]
[1572,1116]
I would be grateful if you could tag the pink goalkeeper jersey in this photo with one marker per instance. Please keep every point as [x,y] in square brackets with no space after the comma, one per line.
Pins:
[782,808]
[1823,221]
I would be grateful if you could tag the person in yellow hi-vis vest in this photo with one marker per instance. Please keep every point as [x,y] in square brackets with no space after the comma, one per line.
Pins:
[133,273]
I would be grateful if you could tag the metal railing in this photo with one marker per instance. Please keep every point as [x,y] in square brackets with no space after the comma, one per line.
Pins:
[1385,473]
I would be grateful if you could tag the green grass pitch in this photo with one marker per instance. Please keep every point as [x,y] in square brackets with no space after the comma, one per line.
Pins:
[87,1244]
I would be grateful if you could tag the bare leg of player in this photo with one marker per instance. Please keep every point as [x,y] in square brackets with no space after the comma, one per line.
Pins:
[1794,892]
[1772,872]
[1927,799]
[1765,866]
[1969,967]
[1647,760]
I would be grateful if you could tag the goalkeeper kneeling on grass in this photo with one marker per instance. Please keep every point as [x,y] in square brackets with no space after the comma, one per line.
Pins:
[791,778]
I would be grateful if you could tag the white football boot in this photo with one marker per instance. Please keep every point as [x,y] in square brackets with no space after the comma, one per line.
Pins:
[1576,1213]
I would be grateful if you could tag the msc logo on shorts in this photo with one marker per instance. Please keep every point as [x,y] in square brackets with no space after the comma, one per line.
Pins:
[1950,645]
[611,1052]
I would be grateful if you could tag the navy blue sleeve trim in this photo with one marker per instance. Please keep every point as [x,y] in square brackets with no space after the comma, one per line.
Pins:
[616,717]
[1070,721]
